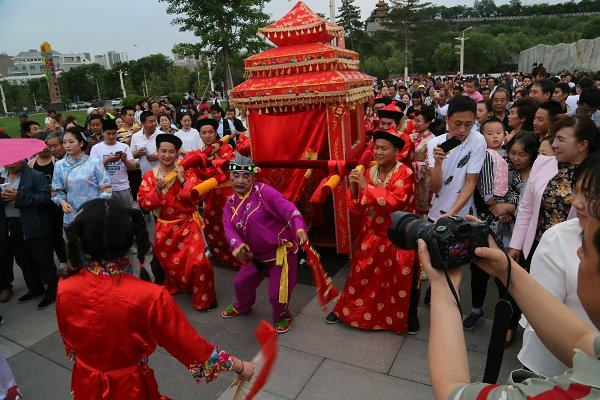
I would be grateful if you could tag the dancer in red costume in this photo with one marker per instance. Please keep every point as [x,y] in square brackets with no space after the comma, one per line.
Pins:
[215,199]
[377,292]
[178,243]
[111,322]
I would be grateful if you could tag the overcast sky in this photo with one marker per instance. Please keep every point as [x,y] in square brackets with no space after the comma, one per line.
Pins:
[137,27]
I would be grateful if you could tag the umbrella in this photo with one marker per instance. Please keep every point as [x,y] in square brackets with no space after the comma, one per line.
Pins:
[13,150]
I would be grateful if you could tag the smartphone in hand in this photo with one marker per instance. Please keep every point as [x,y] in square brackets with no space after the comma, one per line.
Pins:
[4,186]
[450,144]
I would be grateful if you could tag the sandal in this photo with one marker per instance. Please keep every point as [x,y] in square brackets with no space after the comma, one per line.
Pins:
[283,325]
[230,312]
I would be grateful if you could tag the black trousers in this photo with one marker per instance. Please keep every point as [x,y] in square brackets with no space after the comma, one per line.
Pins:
[415,289]
[135,180]
[157,270]
[34,257]
[58,240]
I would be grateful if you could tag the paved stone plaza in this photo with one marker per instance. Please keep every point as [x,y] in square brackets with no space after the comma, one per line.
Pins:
[316,360]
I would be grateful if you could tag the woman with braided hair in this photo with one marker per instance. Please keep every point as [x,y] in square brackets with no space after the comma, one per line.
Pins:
[111,322]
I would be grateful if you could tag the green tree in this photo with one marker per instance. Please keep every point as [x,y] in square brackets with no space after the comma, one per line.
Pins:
[445,58]
[485,53]
[406,23]
[350,19]
[591,29]
[485,8]
[223,27]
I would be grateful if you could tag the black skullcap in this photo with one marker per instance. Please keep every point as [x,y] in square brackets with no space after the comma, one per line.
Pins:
[166,137]
[207,121]
[216,107]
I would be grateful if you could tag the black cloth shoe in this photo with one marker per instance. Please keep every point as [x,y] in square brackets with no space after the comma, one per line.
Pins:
[28,297]
[413,325]
[213,306]
[46,302]
[1,320]
[332,318]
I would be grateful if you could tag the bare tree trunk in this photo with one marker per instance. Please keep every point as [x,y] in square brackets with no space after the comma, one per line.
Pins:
[228,76]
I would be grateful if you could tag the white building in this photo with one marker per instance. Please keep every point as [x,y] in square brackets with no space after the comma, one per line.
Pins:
[110,58]
[29,65]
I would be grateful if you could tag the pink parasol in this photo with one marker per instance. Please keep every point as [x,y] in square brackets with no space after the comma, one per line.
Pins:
[13,150]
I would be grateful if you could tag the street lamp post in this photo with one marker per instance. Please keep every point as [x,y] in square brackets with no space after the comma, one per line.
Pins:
[91,77]
[462,49]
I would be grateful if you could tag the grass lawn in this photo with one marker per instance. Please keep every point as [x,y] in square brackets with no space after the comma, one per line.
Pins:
[11,124]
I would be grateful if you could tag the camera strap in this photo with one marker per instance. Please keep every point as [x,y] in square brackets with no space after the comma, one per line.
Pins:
[453,290]
[502,316]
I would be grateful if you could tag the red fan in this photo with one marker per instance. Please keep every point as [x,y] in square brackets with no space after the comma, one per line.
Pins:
[263,363]
[326,290]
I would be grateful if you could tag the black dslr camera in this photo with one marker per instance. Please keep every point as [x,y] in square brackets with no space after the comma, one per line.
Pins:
[451,240]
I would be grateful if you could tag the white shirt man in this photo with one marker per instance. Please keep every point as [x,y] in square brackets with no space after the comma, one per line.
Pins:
[572,104]
[139,140]
[117,171]
[456,175]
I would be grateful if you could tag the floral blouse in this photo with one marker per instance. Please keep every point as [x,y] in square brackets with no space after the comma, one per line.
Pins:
[556,200]
[79,180]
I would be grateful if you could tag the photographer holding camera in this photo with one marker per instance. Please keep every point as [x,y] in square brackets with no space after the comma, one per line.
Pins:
[569,338]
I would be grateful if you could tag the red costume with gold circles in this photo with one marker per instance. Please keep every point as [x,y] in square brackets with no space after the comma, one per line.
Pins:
[178,242]
[377,292]
[214,202]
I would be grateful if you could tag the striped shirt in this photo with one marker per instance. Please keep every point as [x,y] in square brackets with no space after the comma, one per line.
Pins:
[582,382]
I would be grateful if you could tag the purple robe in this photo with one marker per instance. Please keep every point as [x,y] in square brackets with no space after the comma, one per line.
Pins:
[264,220]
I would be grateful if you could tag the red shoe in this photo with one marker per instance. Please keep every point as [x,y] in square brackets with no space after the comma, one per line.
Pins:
[283,325]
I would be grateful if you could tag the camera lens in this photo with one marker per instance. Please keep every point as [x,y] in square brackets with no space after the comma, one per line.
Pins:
[406,228]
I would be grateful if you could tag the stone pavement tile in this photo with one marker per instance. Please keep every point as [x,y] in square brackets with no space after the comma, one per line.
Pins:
[334,380]
[366,349]
[291,372]
[262,395]
[9,348]
[52,348]
[411,362]
[24,323]
[175,381]
[39,378]
[245,324]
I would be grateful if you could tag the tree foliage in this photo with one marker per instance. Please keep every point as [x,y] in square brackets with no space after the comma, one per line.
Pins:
[490,46]
[350,19]
[224,28]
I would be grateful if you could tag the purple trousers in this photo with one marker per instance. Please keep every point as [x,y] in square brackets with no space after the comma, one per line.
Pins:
[248,279]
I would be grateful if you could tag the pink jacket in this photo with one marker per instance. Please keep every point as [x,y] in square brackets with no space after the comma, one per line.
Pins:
[543,170]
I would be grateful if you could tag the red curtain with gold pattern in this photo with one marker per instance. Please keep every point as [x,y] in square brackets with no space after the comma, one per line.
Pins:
[299,135]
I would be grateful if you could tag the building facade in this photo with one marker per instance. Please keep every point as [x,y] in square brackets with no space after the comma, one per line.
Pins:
[29,65]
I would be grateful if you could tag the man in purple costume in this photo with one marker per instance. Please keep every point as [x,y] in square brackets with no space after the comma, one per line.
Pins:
[264,231]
